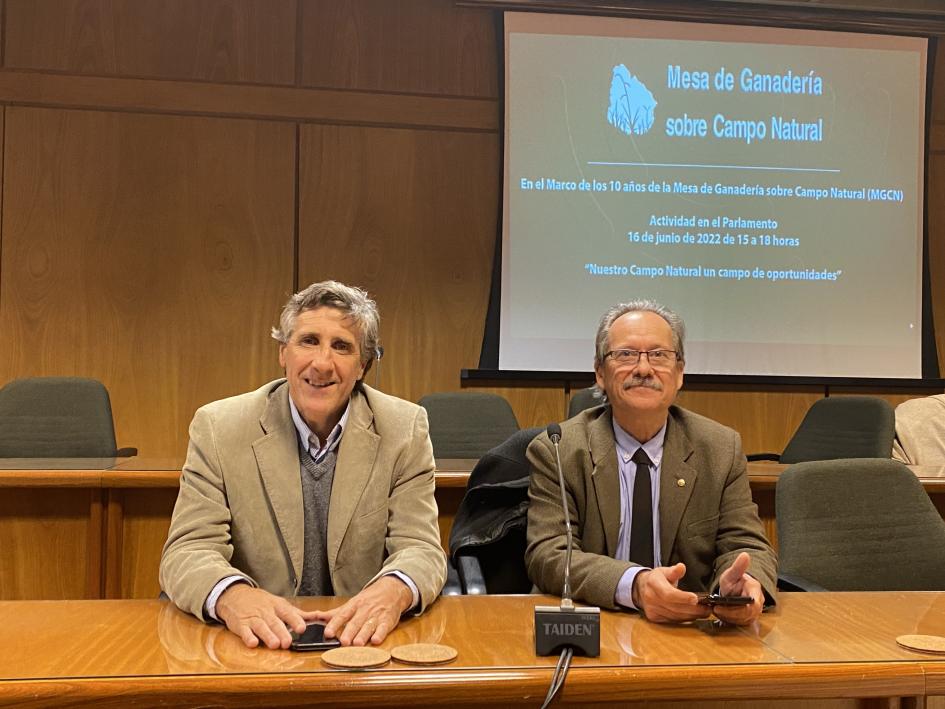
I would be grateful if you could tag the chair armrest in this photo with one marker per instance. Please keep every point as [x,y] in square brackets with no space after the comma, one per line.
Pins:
[790,582]
[775,457]
[126,452]
[474,583]
[453,587]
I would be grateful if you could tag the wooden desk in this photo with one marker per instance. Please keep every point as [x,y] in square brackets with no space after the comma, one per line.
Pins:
[100,531]
[147,653]
[101,523]
[51,527]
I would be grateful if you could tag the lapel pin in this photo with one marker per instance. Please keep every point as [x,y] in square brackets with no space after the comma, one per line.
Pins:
[680,483]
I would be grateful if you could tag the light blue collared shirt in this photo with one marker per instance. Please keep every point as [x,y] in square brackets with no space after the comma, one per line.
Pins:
[627,445]
[310,440]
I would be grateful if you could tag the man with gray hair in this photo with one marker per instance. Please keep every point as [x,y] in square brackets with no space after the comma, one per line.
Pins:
[312,485]
[659,495]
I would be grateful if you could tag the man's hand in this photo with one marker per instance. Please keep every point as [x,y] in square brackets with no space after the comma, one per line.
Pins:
[736,582]
[371,615]
[256,615]
[656,595]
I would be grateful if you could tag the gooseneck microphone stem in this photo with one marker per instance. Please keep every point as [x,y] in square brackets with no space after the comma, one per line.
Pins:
[566,602]
[565,629]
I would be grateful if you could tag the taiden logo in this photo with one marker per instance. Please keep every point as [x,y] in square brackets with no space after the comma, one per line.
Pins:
[631,103]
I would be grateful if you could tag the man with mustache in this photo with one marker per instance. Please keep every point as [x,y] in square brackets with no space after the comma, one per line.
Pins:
[658,496]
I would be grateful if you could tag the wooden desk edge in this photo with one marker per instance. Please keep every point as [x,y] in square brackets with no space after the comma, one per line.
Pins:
[171,479]
[51,478]
[143,478]
[934,675]
[453,474]
[509,685]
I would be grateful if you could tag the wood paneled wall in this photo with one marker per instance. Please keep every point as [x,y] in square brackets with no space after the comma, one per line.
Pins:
[140,250]
[405,214]
[172,171]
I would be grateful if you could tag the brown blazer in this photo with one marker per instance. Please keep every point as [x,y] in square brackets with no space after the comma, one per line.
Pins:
[239,510]
[704,523]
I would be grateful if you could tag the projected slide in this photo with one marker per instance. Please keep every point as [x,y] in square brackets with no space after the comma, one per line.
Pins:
[765,183]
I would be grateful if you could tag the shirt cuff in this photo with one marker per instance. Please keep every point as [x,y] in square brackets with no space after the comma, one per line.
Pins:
[624,594]
[210,605]
[411,585]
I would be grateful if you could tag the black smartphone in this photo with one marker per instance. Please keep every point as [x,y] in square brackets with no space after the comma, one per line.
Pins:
[312,639]
[717,599]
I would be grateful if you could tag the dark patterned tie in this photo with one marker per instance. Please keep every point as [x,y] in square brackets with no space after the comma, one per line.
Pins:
[641,524]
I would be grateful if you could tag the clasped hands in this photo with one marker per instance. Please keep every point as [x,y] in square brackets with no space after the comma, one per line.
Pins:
[258,616]
[656,594]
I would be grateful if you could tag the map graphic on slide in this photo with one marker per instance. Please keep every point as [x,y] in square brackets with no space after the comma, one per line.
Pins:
[631,103]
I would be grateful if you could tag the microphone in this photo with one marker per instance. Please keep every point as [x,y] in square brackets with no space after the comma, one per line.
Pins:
[554,433]
[567,625]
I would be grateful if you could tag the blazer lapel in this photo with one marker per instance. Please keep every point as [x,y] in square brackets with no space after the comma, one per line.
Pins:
[674,496]
[606,483]
[356,456]
[278,460]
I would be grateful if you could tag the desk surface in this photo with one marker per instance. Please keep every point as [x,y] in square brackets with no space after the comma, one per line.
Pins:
[115,653]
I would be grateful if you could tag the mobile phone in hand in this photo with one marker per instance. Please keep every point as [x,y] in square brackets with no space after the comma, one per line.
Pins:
[313,639]
[717,599]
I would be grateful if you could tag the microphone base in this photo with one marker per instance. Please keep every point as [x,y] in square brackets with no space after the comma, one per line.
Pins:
[557,628]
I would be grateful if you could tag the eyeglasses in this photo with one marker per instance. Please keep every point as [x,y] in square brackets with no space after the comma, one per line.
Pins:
[658,359]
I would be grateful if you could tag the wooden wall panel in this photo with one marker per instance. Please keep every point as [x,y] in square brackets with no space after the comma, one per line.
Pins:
[410,216]
[765,420]
[149,252]
[534,405]
[277,103]
[210,40]
[415,46]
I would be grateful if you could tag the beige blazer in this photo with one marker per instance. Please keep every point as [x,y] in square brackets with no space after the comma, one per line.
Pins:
[920,431]
[705,521]
[239,510]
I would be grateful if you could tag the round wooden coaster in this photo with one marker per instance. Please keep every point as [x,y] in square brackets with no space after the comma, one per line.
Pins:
[923,643]
[356,657]
[424,654]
